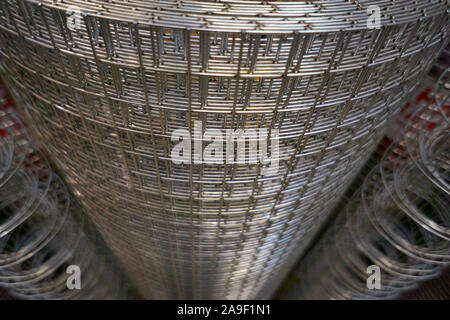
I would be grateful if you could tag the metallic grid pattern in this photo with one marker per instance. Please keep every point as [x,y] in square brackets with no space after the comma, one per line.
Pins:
[399,220]
[42,231]
[107,96]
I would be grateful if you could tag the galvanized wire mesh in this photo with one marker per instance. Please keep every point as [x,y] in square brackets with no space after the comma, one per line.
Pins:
[107,96]
[398,221]
[42,231]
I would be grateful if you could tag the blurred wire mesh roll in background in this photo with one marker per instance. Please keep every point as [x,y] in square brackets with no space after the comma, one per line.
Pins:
[106,93]
[42,230]
[399,221]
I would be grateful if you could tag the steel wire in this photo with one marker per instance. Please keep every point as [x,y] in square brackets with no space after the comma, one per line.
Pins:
[42,231]
[398,221]
[106,97]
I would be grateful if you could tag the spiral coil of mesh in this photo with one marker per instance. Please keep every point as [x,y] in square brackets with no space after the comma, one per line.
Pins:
[42,233]
[106,97]
[398,221]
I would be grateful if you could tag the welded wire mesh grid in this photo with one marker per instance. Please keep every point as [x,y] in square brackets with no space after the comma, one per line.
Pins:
[107,96]
[42,231]
[398,220]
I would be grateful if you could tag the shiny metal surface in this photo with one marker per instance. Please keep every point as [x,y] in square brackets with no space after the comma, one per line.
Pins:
[42,230]
[106,98]
[398,221]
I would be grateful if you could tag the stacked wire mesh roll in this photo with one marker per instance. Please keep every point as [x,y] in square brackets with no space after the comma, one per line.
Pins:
[399,221]
[43,238]
[107,90]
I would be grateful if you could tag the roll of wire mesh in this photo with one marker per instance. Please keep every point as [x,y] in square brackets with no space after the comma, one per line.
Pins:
[42,233]
[399,220]
[108,88]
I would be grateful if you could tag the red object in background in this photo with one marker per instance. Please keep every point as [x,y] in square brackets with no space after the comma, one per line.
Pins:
[5,101]
[7,104]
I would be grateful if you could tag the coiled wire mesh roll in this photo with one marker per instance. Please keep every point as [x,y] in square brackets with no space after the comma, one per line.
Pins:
[399,221]
[107,96]
[42,232]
